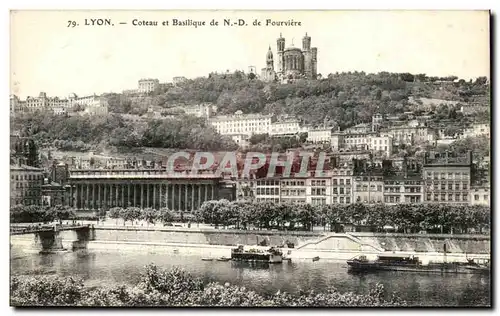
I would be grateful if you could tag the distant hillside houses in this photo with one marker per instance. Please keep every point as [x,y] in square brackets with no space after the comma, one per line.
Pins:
[91,104]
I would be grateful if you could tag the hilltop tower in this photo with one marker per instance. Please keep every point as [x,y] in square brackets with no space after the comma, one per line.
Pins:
[281,57]
[306,49]
[268,73]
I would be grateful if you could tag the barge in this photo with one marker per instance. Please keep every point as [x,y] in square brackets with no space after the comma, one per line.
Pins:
[412,264]
[272,255]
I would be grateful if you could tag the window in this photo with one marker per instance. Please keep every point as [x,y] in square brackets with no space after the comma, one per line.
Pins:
[465,197]
[348,199]
[476,197]
[341,190]
[485,197]
[341,181]
[348,181]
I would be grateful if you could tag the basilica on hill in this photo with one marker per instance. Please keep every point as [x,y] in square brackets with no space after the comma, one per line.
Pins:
[293,62]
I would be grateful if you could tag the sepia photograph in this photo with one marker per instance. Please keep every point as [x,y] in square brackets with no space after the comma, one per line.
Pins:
[239,158]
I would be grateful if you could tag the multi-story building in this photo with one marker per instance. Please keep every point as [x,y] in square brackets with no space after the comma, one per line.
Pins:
[410,135]
[368,182]
[447,178]
[286,127]
[403,189]
[99,108]
[319,190]
[368,189]
[25,185]
[83,102]
[14,104]
[319,135]
[352,140]
[59,111]
[294,190]
[57,105]
[480,195]
[147,85]
[381,144]
[267,190]
[205,110]
[240,123]
[342,185]
[479,129]
[23,151]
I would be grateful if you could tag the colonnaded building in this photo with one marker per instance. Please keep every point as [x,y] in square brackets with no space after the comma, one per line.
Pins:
[155,188]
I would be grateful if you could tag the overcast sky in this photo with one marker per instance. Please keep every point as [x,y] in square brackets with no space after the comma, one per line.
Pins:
[48,56]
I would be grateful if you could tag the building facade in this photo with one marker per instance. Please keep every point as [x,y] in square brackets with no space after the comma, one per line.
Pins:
[319,135]
[97,188]
[447,178]
[147,85]
[240,123]
[25,185]
[286,127]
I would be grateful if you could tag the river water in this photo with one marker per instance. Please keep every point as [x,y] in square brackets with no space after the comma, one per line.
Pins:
[113,267]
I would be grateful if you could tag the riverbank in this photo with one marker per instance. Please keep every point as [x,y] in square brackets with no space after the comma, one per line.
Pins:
[307,245]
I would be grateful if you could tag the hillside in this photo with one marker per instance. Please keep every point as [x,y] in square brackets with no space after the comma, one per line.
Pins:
[346,98]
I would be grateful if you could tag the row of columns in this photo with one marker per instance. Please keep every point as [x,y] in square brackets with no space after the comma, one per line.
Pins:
[182,197]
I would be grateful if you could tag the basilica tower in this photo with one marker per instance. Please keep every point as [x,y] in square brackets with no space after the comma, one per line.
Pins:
[281,57]
[306,50]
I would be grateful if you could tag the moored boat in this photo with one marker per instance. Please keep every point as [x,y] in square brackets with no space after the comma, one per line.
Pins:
[223,259]
[272,255]
[407,264]
[478,265]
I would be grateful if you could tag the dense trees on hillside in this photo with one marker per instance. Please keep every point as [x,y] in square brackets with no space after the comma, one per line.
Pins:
[85,132]
[348,98]
[344,98]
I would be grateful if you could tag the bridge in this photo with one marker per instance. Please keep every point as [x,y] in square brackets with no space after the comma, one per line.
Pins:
[48,239]
[32,229]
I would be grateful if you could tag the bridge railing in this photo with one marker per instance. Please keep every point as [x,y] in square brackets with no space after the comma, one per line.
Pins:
[34,229]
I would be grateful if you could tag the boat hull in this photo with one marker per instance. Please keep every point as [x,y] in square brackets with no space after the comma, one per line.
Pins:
[257,257]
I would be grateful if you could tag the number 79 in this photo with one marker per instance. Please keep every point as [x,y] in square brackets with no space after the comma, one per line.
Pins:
[71,23]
